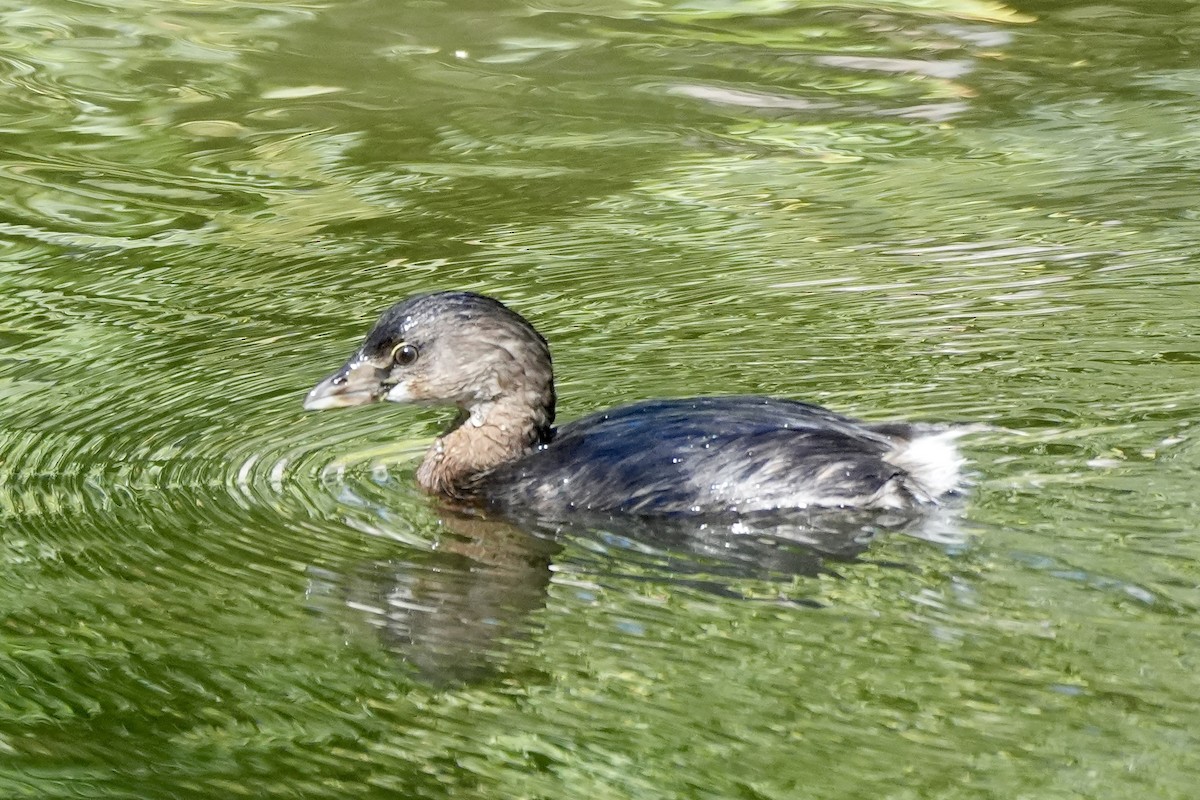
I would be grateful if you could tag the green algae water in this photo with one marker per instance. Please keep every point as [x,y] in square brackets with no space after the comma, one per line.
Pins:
[921,209]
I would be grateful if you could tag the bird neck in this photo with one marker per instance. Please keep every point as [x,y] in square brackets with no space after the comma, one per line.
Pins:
[492,434]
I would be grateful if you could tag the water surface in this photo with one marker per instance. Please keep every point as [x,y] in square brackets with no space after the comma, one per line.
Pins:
[950,210]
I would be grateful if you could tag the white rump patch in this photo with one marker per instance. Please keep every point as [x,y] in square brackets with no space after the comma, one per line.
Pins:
[932,463]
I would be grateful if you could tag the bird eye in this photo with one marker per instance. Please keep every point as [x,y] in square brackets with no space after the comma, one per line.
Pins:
[404,354]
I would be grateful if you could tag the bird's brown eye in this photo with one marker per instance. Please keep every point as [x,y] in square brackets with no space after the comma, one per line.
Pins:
[404,354]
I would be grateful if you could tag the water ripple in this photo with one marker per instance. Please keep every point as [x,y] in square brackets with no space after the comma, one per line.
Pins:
[887,207]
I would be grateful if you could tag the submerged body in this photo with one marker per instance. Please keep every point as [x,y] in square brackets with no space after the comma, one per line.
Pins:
[701,456]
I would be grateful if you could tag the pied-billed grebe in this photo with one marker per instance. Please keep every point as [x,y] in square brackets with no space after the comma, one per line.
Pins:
[708,455]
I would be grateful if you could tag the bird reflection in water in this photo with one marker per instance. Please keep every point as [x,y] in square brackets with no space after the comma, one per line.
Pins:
[456,615]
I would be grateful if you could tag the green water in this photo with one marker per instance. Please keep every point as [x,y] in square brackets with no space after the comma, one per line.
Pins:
[932,209]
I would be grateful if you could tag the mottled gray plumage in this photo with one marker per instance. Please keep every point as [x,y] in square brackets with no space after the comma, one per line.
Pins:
[710,455]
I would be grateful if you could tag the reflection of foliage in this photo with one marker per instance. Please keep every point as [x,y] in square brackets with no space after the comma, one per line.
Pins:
[699,10]
[160,125]
[94,59]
